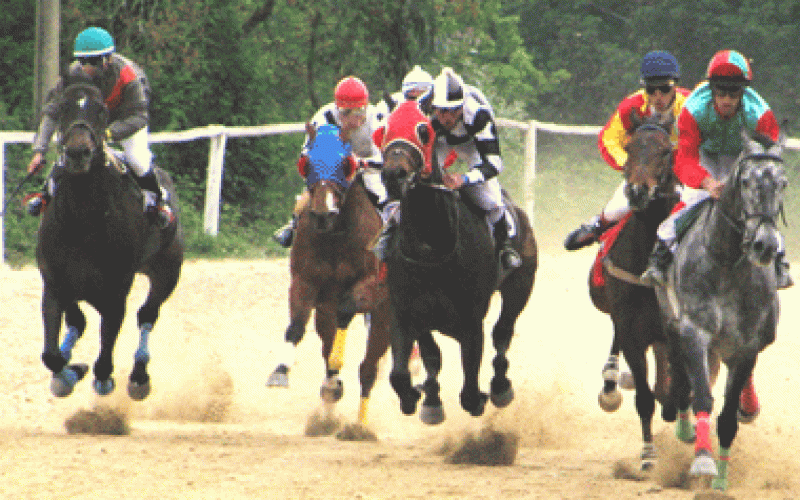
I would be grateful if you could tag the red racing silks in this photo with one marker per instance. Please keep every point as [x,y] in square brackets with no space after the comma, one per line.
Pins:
[126,76]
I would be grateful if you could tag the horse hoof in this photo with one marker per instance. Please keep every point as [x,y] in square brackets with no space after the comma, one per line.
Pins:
[104,387]
[138,392]
[431,415]
[610,401]
[626,381]
[63,382]
[747,418]
[504,399]
[279,377]
[332,390]
[703,465]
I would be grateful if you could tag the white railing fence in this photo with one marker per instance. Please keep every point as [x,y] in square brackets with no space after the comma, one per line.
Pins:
[218,136]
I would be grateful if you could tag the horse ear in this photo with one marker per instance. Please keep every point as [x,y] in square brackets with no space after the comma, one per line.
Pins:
[311,131]
[751,146]
[423,134]
[635,119]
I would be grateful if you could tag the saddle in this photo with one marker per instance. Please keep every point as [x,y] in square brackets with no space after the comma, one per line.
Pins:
[607,240]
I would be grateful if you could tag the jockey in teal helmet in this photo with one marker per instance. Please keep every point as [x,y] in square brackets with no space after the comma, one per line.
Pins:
[126,91]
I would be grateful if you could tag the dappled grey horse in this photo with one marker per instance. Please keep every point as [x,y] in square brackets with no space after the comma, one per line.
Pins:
[721,298]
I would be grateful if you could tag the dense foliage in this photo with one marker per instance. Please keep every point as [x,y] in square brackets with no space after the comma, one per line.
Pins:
[249,62]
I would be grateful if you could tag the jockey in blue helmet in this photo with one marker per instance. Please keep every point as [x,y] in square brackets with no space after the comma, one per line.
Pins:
[126,91]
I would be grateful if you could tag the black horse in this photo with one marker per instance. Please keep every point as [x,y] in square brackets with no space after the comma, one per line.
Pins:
[633,308]
[442,271]
[93,238]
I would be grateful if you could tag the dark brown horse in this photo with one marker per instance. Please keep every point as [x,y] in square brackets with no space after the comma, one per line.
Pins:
[442,272]
[93,239]
[329,258]
[615,290]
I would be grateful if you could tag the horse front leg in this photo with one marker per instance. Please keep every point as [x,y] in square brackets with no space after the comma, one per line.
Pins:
[432,411]
[402,337]
[111,313]
[644,400]
[301,301]
[377,345]
[695,344]
[472,399]
[728,422]
[64,377]
[610,398]
[333,344]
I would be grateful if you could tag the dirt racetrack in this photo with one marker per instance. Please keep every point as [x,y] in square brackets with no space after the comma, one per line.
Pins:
[212,429]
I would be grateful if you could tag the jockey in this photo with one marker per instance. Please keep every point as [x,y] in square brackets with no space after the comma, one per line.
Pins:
[357,119]
[659,74]
[710,142]
[417,85]
[464,123]
[126,91]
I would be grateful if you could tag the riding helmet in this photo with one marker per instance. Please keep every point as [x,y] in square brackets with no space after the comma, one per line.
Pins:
[659,65]
[448,90]
[417,79]
[351,93]
[93,41]
[729,66]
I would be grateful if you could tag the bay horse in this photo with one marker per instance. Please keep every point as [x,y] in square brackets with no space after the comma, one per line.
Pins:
[721,297]
[614,278]
[441,272]
[328,259]
[93,238]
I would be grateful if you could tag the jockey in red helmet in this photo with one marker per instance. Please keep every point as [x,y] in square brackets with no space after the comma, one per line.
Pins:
[659,74]
[357,120]
[710,141]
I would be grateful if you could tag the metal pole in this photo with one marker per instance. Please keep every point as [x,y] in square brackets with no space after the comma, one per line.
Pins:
[46,58]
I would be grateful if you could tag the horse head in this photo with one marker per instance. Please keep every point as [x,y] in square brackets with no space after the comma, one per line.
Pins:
[759,185]
[648,169]
[328,168]
[83,118]
[406,142]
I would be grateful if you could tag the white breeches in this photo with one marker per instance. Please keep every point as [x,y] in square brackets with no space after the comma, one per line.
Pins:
[488,196]
[374,184]
[617,207]
[137,152]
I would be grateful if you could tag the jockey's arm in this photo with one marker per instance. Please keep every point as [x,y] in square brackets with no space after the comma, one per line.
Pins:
[611,142]
[687,156]
[132,113]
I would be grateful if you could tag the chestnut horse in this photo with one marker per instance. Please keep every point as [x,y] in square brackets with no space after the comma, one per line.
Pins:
[329,258]
[93,238]
[442,272]
[615,291]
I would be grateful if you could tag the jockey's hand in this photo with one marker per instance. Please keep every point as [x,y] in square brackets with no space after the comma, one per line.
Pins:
[36,164]
[713,186]
[452,181]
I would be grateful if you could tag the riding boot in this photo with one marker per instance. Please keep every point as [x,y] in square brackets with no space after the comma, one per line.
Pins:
[390,215]
[160,211]
[782,274]
[285,234]
[660,258]
[509,258]
[587,233]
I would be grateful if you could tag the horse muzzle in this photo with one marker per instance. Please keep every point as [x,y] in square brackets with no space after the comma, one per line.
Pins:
[762,247]
[639,196]
[77,161]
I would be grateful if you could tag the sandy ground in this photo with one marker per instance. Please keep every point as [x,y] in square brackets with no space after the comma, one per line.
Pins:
[211,429]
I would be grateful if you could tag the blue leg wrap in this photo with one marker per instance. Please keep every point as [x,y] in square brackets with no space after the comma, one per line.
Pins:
[70,339]
[143,352]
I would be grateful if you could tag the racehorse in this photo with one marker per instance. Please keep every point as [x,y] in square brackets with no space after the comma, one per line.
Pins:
[721,297]
[93,238]
[329,258]
[614,279]
[442,271]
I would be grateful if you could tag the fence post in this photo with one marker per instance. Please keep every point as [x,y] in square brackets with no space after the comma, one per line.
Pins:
[530,171]
[216,156]
[2,203]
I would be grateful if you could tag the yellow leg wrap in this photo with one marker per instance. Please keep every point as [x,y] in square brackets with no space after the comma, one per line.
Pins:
[362,412]
[336,358]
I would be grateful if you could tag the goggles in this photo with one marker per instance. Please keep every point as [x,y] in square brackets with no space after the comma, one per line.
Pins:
[663,88]
[91,61]
[723,90]
[357,112]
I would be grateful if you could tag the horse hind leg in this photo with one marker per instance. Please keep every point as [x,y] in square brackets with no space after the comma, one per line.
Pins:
[377,345]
